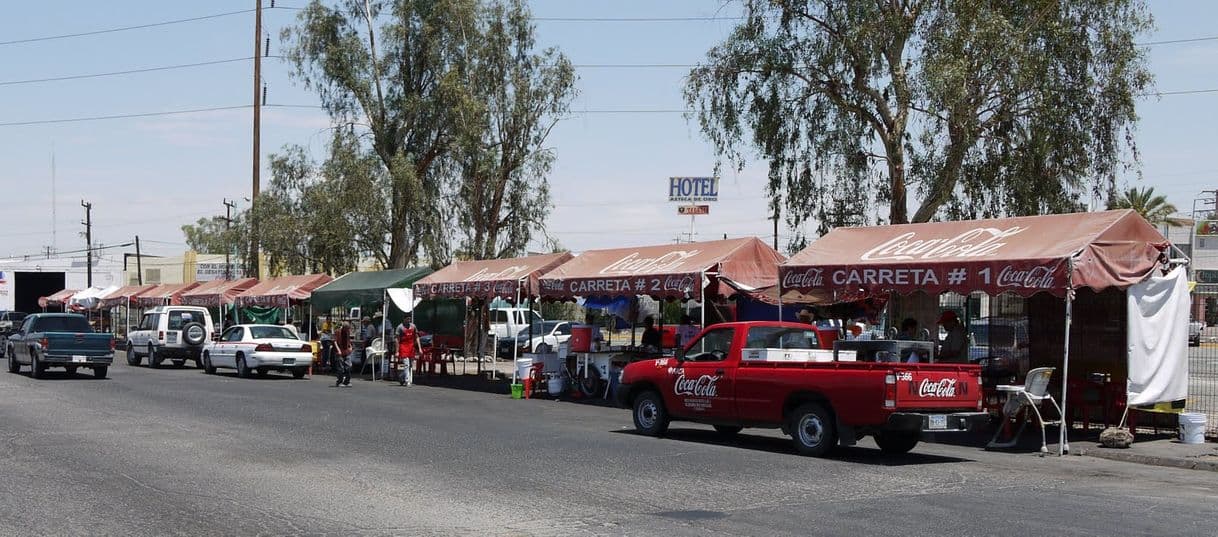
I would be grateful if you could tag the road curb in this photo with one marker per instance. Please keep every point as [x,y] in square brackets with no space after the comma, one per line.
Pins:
[1125,455]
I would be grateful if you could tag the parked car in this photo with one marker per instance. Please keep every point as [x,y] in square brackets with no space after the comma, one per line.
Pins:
[64,340]
[551,333]
[258,347]
[1194,333]
[177,333]
[1000,346]
[506,322]
[10,321]
[780,375]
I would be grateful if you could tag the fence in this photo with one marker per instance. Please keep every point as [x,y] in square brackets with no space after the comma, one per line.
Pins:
[1203,358]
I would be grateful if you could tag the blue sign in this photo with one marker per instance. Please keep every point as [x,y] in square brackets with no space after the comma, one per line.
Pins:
[693,189]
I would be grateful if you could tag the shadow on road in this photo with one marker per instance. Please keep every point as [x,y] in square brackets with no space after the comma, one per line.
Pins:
[64,375]
[772,444]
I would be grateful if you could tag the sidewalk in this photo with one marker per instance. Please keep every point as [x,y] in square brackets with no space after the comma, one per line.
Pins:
[1162,450]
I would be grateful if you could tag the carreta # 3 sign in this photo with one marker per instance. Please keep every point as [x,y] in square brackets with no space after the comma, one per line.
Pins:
[693,189]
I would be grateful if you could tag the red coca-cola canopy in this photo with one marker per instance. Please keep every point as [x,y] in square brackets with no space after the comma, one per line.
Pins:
[489,278]
[281,292]
[215,293]
[666,271]
[123,295]
[57,299]
[166,294]
[1022,255]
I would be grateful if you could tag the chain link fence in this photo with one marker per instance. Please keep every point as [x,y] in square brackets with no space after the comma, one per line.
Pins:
[1203,356]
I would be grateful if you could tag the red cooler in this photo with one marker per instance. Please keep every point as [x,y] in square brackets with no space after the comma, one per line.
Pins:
[581,338]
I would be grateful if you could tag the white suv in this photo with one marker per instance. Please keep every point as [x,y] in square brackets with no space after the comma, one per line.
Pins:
[174,332]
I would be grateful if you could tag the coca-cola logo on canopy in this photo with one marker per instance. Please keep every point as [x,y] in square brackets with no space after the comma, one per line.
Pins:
[1033,278]
[812,277]
[979,242]
[510,273]
[633,264]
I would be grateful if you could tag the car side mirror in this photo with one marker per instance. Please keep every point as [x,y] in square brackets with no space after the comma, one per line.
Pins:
[680,355]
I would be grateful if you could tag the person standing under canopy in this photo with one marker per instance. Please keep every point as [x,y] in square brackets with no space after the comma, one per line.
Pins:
[954,347]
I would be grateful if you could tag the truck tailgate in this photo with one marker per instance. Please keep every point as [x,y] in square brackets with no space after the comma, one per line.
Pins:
[61,343]
[938,387]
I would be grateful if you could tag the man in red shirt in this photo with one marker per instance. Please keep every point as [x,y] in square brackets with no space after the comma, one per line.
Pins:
[342,362]
[407,335]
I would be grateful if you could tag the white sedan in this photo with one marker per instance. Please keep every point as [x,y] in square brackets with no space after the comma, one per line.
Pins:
[258,347]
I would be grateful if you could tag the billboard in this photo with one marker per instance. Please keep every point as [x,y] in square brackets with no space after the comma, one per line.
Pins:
[693,189]
[206,272]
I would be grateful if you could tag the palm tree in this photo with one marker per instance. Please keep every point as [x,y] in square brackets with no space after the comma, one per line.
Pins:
[1154,208]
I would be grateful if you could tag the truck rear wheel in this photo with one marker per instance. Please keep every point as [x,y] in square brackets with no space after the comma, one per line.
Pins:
[896,442]
[37,368]
[650,417]
[100,371]
[812,430]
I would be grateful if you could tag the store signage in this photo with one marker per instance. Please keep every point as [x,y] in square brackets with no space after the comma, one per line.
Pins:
[1207,227]
[693,189]
[206,272]
[692,210]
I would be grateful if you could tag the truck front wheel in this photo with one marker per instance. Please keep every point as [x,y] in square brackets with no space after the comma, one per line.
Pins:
[650,417]
[896,442]
[812,430]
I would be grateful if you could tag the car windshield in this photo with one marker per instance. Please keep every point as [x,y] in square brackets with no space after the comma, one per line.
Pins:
[271,332]
[540,329]
[995,335]
[70,323]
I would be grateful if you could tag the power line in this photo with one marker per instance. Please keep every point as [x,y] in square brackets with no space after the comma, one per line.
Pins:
[124,28]
[122,116]
[137,26]
[127,72]
[1176,41]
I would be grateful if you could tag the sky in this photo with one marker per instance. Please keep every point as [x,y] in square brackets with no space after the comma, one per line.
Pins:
[148,176]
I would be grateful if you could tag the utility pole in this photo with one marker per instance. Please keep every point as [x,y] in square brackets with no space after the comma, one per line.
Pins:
[139,265]
[88,223]
[775,219]
[254,258]
[228,223]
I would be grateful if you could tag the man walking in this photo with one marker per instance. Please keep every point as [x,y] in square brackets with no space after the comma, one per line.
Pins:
[407,336]
[342,363]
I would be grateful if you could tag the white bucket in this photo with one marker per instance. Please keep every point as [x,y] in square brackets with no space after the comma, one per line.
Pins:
[556,385]
[522,368]
[1192,428]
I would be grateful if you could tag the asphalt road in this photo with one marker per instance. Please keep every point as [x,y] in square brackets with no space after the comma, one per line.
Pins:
[175,452]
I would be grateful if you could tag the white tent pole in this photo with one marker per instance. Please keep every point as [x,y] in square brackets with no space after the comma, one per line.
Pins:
[384,328]
[702,296]
[515,347]
[1063,447]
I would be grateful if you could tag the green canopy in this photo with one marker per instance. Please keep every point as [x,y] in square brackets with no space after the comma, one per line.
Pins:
[363,289]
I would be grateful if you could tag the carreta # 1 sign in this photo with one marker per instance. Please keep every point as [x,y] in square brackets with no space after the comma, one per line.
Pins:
[693,189]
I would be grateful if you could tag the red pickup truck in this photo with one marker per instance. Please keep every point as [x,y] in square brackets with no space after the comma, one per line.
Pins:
[782,375]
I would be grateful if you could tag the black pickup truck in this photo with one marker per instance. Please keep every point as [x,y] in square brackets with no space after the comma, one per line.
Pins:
[58,340]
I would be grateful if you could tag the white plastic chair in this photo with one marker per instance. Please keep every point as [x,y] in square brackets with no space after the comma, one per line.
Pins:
[374,353]
[1031,394]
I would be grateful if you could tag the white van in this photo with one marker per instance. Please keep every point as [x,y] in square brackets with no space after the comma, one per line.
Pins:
[174,332]
[508,322]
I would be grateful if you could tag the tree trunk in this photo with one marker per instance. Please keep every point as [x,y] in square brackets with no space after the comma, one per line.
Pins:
[897,211]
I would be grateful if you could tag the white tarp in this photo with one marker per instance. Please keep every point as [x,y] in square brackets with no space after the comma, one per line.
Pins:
[89,298]
[402,298]
[1158,339]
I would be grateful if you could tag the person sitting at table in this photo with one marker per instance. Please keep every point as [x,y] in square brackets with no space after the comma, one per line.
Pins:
[651,336]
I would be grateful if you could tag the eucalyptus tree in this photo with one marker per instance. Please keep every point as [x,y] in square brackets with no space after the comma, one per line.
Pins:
[957,108]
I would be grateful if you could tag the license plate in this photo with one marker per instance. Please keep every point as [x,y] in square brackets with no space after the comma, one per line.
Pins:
[289,361]
[938,421]
[172,337]
[76,358]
